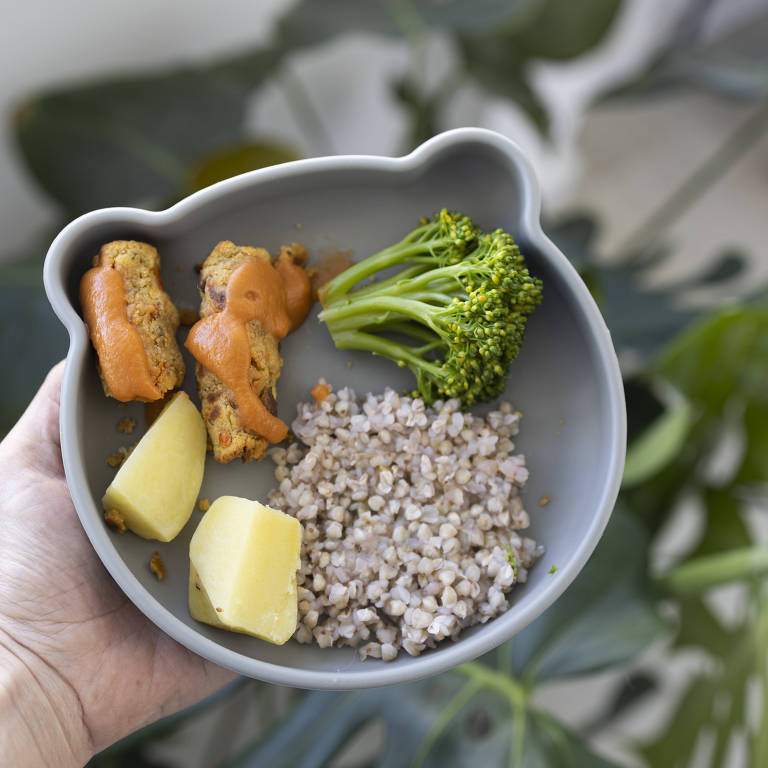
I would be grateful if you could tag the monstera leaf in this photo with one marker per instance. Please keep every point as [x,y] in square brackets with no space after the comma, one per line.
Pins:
[132,140]
[454,720]
[310,22]
[641,318]
[734,64]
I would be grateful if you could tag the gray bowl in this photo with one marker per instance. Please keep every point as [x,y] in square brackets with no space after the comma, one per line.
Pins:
[566,380]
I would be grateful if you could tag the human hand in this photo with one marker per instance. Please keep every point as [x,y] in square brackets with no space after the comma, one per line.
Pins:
[80,666]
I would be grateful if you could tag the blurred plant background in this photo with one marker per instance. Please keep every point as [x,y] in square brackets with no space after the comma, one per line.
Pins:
[647,121]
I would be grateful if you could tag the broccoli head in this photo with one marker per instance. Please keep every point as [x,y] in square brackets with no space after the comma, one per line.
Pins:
[454,313]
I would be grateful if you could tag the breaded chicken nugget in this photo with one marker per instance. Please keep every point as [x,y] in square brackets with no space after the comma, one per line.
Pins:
[148,310]
[229,438]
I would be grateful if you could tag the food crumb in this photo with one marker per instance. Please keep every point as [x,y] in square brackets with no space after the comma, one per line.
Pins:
[179,267]
[562,421]
[126,426]
[552,569]
[117,459]
[204,505]
[188,316]
[543,501]
[298,225]
[349,363]
[219,610]
[320,391]
[115,520]
[157,566]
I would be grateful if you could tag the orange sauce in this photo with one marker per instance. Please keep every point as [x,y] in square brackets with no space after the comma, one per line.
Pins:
[326,268]
[320,392]
[298,289]
[123,359]
[255,291]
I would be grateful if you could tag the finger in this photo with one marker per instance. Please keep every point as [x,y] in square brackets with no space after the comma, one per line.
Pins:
[35,439]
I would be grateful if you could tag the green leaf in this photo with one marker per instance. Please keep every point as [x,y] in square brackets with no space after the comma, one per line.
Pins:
[499,68]
[720,366]
[734,64]
[714,705]
[658,445]
[563,29]
[130,140]
[237,159]
[549,745]
[311,22]
[723,357]
[643,406]
[641,318]
[724,528]
[575,236]
[702,573]
[454,719]
[25,317]
[606,617]
[630,690]
[422,110]
[698,628]
[728,266]
[754,468]
[554,29]
[674,748]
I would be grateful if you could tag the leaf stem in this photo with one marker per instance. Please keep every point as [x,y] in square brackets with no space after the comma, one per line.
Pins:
[702,573]
[307,116]
[454,706]
[414,29]
[689,192]
[509,687]
[515,693]
[517,747]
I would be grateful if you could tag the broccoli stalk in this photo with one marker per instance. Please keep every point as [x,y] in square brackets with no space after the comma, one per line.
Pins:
[454,314]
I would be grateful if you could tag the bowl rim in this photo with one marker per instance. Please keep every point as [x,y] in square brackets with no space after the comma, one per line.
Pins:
[447,655]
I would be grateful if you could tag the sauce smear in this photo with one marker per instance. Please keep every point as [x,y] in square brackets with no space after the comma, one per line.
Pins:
[326,268]
[219,342]
[298,289]
[121,352]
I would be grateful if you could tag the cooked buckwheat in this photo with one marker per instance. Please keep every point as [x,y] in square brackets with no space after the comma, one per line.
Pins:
[411,519]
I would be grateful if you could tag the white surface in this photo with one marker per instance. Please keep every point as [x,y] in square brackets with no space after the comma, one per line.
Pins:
[55,42]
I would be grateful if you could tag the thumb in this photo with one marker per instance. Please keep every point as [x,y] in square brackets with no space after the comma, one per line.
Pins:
[34,440]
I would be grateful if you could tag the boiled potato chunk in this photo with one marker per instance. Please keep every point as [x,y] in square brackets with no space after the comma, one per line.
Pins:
[156,488]
[243,562]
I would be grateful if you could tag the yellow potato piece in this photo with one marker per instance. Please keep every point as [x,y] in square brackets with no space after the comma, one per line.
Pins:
[156,487]
[242,575]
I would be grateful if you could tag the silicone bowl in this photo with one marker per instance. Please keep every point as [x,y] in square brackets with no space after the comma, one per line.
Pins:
[566,380]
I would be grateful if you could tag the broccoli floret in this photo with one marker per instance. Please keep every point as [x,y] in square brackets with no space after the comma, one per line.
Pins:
[460,302]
